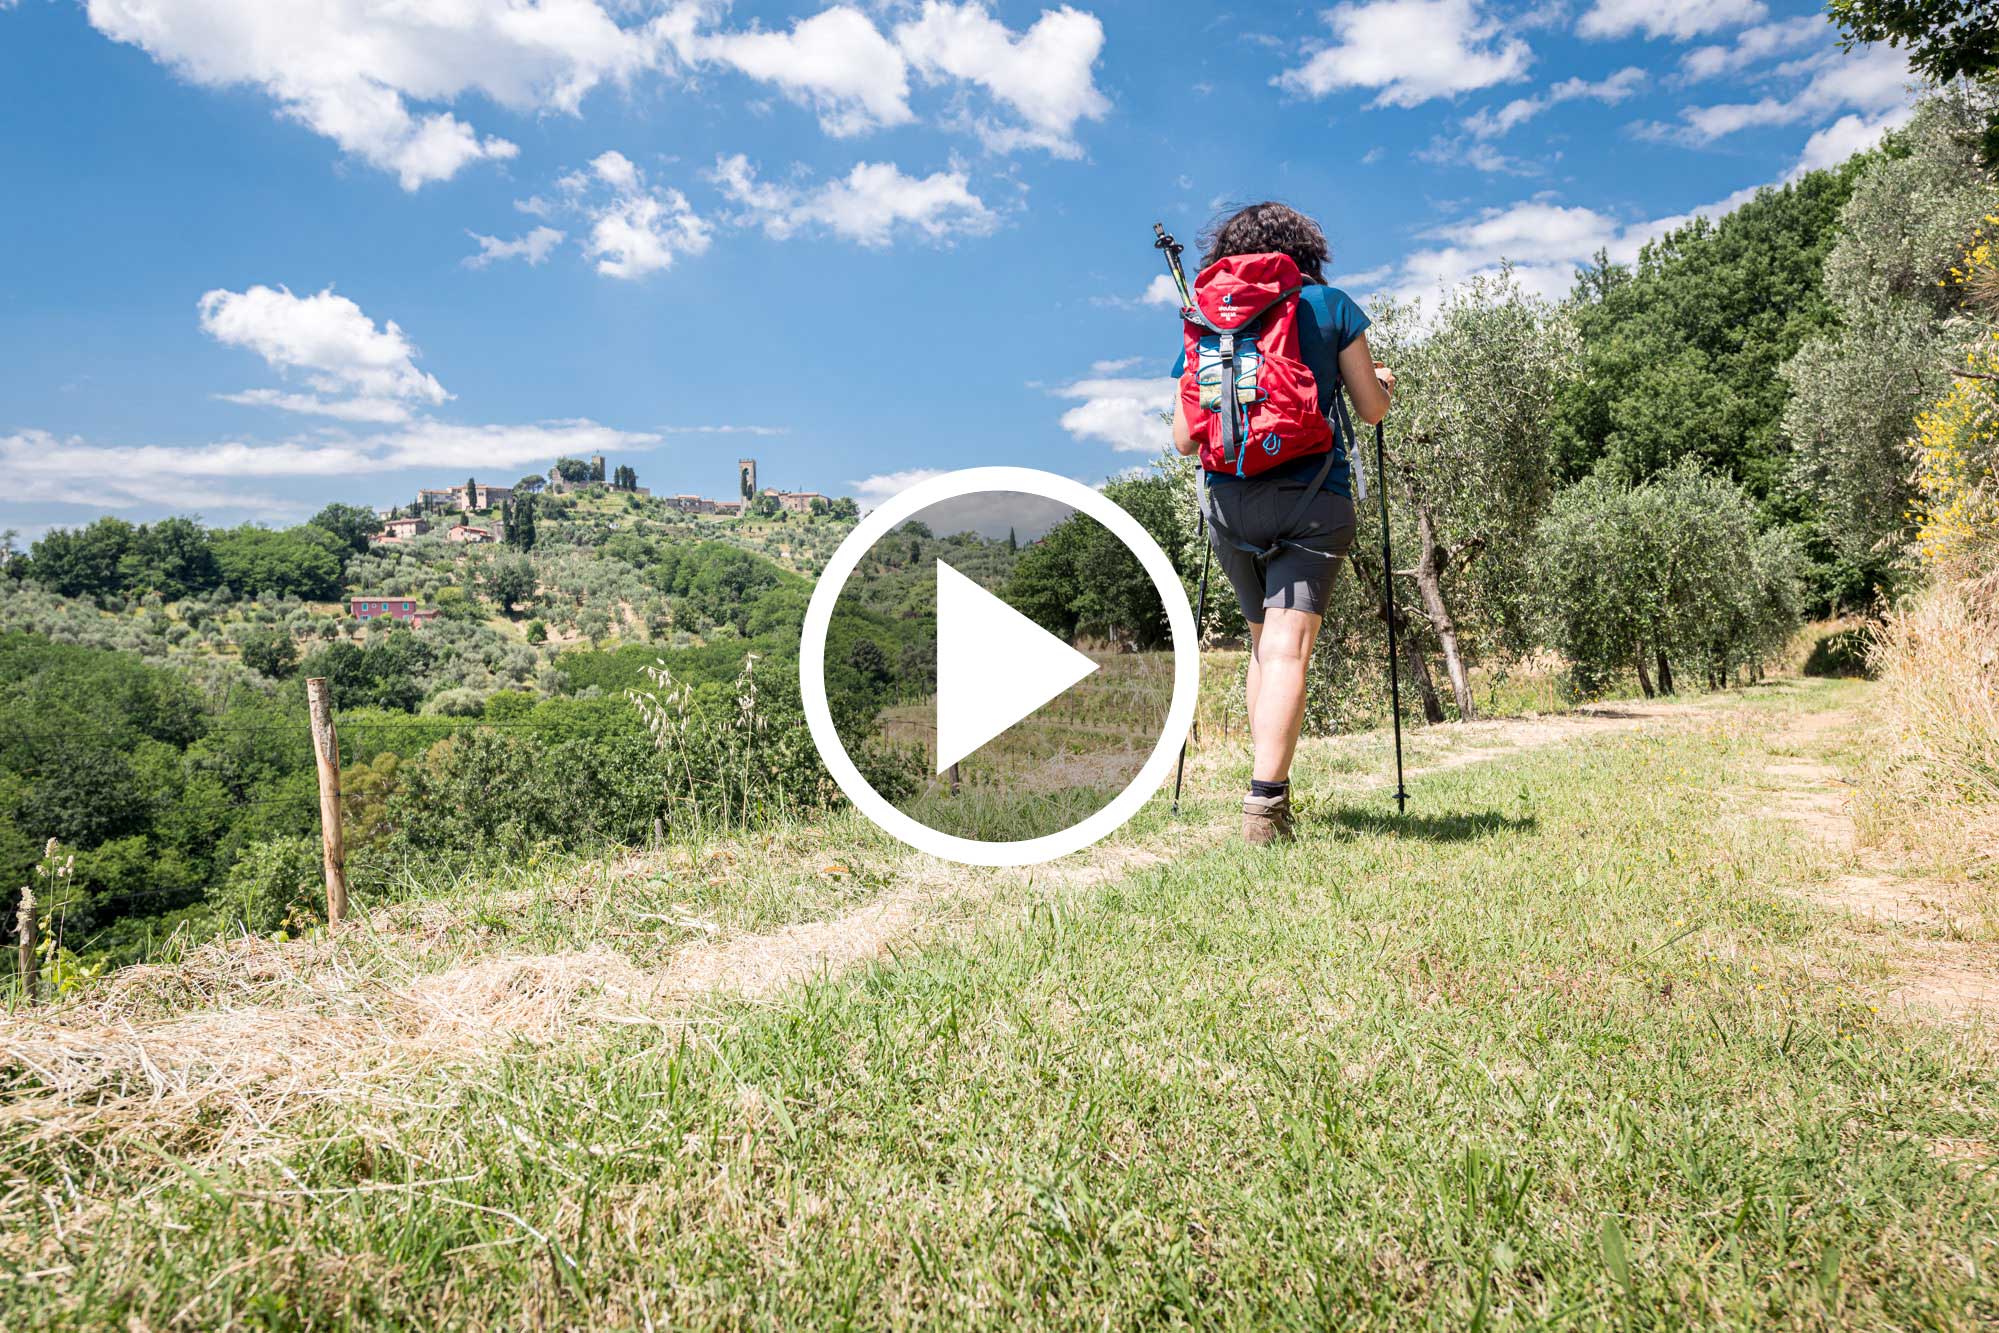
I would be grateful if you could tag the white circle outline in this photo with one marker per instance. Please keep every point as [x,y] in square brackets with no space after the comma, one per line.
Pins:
[819,618]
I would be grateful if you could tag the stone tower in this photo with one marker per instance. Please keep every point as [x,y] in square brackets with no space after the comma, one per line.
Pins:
[746,478]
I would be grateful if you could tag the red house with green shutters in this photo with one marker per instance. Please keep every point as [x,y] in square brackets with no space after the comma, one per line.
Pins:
[394,608]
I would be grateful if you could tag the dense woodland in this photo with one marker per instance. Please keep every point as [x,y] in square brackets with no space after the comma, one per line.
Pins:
[1767,417]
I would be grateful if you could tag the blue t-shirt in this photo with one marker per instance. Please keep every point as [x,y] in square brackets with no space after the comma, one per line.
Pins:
[1328,320]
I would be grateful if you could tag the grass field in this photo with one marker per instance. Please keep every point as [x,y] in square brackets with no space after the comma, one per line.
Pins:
[1592,1039]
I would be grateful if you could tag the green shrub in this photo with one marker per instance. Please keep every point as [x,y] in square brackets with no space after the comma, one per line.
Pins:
[1841,653]
[275,882]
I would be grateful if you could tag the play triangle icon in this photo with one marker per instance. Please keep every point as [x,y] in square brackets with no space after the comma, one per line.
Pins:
[994,666]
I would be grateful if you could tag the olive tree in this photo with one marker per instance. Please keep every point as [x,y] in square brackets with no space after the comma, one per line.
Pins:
[1468,463]
[1669,575]
[1854,390]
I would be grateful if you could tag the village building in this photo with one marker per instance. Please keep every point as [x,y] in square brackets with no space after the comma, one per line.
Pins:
[558,485]
[392,608]
[401,530]
[450,498]
[465,532]
[798,502]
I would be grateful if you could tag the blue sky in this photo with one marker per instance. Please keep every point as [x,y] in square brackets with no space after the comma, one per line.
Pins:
[262,254]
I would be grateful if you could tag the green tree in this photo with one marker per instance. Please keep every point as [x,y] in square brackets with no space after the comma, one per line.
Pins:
[82,562]
[1080,578]
[172,557]
[511,581]
[531,484]
[352,525]
[1680,357]
[1668,578]
[572,470]
[270,652]
[1855,388]
[1946,40]
[1469,459]
[303,562]
[537,631]
[870,662]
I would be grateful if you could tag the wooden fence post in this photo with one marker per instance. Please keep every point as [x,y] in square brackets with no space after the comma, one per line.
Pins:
[326,750]
[31,962]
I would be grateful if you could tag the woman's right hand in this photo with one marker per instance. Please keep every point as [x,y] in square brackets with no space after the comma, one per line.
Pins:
[1385,376]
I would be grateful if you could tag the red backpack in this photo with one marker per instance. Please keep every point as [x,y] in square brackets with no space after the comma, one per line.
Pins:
[1242,330]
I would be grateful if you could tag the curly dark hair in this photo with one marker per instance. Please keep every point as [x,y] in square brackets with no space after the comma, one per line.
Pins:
[1269,228]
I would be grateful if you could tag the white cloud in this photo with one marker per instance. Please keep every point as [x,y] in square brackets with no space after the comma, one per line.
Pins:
[1112,367]
[1677,19]
[1846,136]
[616,170]
[1753,45]
[870,205]
[635,228]
[326,336]
[379,411]
[1873,80]
[68,470]
[836,62]
[534,247]
[356,71]
[1045,75]
[1159,293]
[1366,280]
[1412,51]
[1455,152]
[872,492]
[1544,242]
[1121,412]
[53,469]
[441,444]
[639,234]
[1489,124]
[725,430]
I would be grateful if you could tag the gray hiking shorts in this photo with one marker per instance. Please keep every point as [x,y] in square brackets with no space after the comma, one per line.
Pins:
[1299,576]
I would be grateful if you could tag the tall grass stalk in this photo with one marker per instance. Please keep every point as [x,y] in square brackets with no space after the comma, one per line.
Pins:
[1938,787]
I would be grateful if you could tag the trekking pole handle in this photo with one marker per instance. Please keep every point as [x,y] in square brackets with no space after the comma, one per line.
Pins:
[1163,241]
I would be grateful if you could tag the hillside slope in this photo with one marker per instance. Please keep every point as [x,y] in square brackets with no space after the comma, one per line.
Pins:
[1590,1036]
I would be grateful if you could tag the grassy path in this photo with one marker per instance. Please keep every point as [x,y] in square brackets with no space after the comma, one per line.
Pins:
[1578,1044]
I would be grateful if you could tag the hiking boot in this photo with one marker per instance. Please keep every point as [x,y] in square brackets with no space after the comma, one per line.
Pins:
[1266,819]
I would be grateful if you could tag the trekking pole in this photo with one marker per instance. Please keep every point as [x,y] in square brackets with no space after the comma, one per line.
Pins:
[1162,241]
[1200,620]
[1388,605]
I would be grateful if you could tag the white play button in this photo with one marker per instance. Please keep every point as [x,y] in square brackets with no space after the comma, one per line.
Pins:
[994,666]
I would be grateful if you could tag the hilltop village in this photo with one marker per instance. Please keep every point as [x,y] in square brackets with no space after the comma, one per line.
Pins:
[453,510]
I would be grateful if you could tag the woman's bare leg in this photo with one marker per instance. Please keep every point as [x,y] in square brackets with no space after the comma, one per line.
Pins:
[1255,678]
[1279,653]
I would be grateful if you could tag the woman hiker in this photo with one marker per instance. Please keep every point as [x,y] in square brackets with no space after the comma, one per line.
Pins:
[1277,486]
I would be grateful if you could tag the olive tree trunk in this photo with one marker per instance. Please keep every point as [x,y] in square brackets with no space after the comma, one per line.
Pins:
[1418,668]
[1431,560]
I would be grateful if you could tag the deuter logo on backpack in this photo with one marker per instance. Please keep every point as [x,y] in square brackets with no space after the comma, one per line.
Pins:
[1250,400]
